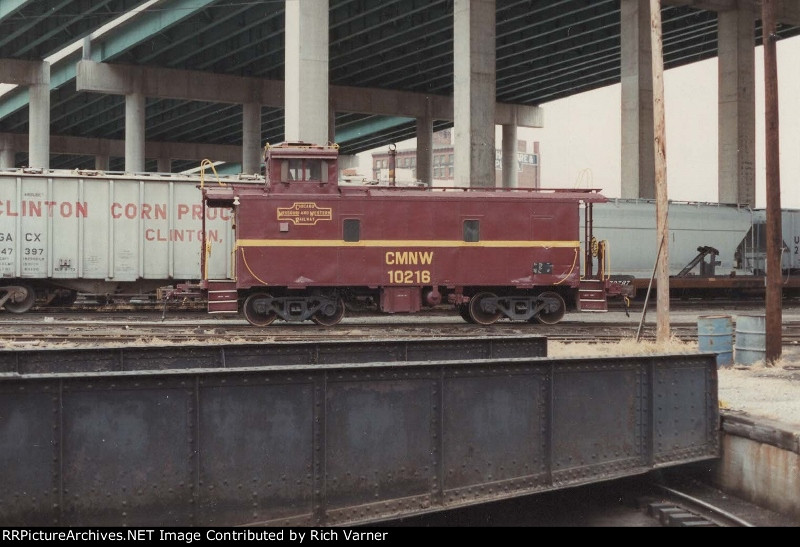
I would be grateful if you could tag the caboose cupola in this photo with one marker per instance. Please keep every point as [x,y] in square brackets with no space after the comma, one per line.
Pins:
[300,167]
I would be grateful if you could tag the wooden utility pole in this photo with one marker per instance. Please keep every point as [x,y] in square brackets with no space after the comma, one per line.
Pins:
[660,144]
[774,291]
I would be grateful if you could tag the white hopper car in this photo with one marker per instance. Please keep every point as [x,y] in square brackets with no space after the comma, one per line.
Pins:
[713,248]
[629,225]
[102,233]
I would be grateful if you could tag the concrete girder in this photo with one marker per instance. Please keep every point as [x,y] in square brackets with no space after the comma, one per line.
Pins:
[88,146]
[10,6]
[20,72]
[163,83]
[786,11]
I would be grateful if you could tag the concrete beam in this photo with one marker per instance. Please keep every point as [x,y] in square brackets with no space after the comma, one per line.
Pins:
[19,72]
[169,83]
[165,83]
[786,11]
[708,5]
[85,146]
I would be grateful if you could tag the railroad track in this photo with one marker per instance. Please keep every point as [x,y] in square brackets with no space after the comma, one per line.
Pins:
[675,508]
[127,329]
[89,305]
[632,502]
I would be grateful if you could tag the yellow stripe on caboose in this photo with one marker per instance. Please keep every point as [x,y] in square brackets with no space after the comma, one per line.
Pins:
[403,243]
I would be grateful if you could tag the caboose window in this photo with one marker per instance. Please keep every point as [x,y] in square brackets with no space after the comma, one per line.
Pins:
[472,230]
[352,229]
[302,169]
[295,170]
[313,170]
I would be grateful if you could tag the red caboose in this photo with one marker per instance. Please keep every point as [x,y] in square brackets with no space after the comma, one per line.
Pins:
[307,248]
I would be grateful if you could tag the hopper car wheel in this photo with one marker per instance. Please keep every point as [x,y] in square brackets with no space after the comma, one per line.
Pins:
[551,317]
[65,298]
[463,311]
[325,320]
[21,299]
[252,315]
[478,314]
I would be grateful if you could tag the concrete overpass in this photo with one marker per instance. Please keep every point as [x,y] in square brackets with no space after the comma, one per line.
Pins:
[213,77]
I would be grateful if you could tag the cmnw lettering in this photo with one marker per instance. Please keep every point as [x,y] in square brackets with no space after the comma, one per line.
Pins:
[409,257]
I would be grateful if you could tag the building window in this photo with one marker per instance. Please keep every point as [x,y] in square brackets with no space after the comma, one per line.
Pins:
[472,231]
[352,230]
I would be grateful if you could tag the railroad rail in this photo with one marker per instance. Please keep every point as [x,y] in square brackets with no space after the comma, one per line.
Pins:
[680,509]
[127,329]
[131,303]
[676,497]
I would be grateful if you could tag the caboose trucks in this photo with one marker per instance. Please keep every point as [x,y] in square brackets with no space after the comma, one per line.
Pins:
[308,249]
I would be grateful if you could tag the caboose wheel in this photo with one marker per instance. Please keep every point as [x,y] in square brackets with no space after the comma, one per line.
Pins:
[21,299]
[321,318]
[551,316]
[479,313]
[255,312]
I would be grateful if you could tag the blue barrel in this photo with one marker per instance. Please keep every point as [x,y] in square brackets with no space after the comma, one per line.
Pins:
[715,333]
[751,339]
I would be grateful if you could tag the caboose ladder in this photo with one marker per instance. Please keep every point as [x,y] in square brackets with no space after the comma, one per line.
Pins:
[222,296]
[592,295]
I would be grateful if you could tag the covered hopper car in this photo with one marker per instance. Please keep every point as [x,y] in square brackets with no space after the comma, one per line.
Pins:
[102,233]
[715,249]
[306,248]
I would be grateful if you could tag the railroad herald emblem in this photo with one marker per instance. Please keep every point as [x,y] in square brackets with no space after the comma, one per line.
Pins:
[305,213]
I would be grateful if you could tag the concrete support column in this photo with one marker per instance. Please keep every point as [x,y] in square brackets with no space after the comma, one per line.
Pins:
[251,138]
[102,162]
[510,165]
[474,92]
[636,78]
[424,165]
[39,119]
[348,161]
[134,132]
[737,106]
[7,153]
[306,81]
[331,124]
[164,165]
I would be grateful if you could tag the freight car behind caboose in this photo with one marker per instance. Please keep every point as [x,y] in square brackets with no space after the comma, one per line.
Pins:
[307,248]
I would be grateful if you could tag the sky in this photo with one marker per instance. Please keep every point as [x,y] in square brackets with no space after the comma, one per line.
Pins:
[580,145]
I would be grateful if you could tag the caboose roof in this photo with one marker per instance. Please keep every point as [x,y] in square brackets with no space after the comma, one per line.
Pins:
[300,149]
[543,194]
